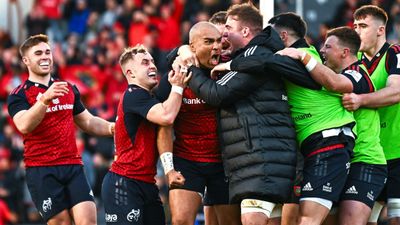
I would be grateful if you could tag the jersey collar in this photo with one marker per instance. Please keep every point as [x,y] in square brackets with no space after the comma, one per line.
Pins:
[30,83]
[377,56]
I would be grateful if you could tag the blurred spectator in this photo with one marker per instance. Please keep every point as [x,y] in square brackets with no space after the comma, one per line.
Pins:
[36,21]
[167,25]
[13,75]
[344,12]
[320,40]
[114,90]
[102,158]
[5,39]
[11,191]
[92,31]
[78,21]
[88,57]
[394,17]
[5,214]
[109,17]
[139,27]
[53,12]
[97,5]
[124,19]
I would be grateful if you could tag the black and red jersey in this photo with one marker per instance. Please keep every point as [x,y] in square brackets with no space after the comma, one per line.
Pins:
[358,75]
[53,141]
[195,127]
[135,137]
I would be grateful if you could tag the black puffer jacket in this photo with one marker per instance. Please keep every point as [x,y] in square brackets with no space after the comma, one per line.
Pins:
[256,130]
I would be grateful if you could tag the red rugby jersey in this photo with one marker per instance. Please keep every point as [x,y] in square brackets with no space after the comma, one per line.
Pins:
[195,128]
[135,137]
[52,142]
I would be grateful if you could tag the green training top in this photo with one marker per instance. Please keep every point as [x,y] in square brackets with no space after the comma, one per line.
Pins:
[389,115]
[315,110]
[368,148]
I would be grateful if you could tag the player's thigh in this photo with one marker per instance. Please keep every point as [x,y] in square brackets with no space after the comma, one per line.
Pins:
[228,214]
[84,213]
[184,205]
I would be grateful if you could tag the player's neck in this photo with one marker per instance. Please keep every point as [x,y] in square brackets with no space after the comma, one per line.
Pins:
[39,79]
[140,85]
[370,53]
[348,61]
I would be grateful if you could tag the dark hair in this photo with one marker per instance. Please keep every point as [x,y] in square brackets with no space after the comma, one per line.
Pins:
[371,10]
[218,18]
[248,15]
[290,21]
[32,41]
[347,37]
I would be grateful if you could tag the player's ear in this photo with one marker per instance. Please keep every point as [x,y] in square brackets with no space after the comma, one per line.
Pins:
[191,46]
[381,30]
[129,73]
[346,52]
[283,35]
[245,31]
[25,60]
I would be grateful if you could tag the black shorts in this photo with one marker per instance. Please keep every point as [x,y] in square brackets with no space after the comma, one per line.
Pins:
[199,175]
[391,189]
[364,183]
[55,188]
[130,201]
[325,173]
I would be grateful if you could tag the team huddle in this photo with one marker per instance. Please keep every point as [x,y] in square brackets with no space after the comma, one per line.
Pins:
[253,124]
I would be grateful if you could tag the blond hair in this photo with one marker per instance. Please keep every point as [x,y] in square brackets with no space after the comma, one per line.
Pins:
[129,54]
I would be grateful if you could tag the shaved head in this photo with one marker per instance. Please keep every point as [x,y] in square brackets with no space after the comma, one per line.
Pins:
[199,28]
[205,43]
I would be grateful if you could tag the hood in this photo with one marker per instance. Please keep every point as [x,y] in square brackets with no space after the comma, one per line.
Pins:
[268,38]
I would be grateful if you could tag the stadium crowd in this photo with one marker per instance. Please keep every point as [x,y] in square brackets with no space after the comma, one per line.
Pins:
[87,38]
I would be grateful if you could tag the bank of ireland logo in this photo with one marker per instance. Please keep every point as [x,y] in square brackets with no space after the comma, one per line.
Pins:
[46,206]
[133,215]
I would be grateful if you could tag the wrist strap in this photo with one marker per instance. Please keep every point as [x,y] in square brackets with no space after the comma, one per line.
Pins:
[311,64]
[167,162]
[177,89]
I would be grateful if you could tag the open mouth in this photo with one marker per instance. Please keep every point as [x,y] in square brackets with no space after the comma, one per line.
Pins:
[152,74]
[44,64]
[215,59]
[323,58]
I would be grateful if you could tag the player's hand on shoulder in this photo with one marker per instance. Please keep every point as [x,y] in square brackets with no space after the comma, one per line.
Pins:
[292,53]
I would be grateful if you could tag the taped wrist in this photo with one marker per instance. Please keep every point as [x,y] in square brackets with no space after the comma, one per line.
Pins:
[309,62]
[177,89]
[167,162]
